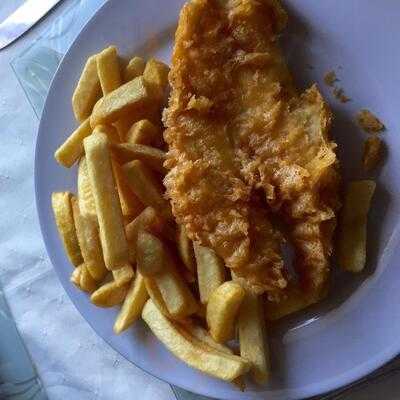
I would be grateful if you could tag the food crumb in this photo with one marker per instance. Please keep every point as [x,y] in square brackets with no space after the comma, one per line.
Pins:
[330,78]
[339,94]
[372,153]
[369,122]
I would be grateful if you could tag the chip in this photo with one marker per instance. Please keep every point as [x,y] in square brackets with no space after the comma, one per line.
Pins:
[62,208]
[353,225]
[87,91]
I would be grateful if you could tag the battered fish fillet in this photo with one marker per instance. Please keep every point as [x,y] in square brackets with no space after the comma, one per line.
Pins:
[236,125]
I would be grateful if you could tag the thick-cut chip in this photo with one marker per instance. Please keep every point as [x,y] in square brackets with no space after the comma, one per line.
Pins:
[191,351]
[130,204]
[89,243]
[87,283]
[353,225]
[150,254]
[252,337]
[147,220]
[88,90]
[110,131]
[108,207]
[210,271]
[154,262]
[144,132]
[175,293]
[222,309]
[85,195]
[76,276]
[147,187]
[108,69]
[185,248]
[62,208]
[130,99]
[202,334]
[156,297]
[109,295]
[156,75]
[134,68]
[70,151]
[133,305]
[152,113]
[123,275]
[152,157]
[372,153]
[123,125]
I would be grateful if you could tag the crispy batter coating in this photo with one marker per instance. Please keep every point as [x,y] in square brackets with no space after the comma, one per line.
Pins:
[236,125]
[369,122]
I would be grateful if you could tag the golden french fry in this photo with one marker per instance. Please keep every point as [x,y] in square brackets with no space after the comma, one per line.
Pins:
[89,243]
[150,254]
[108,207]
[123,275]
[201,334]
[154,261]
[146,220]
[130,204]
[87,283]
[156,75]
[190,350]
[134,68]
[76,276]
[62,208]
[156,297]
[110,131]
[176,295]
[150,156]
[108,69]
[353,225]
[202,338]
[185,248]
[109,295]
[210,271]
[222,309]
[252,332]
[152,112]
[123,125]
[88,90]
[146,187]
[131,99]
[144,132]
[72,148]
[85,195]
[133,305]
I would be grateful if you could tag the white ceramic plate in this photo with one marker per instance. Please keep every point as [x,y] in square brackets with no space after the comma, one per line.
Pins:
[358,328]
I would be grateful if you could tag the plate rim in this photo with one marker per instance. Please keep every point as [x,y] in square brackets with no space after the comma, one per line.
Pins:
[341,381]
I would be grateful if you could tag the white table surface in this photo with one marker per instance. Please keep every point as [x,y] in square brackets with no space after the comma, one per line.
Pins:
[72,361]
